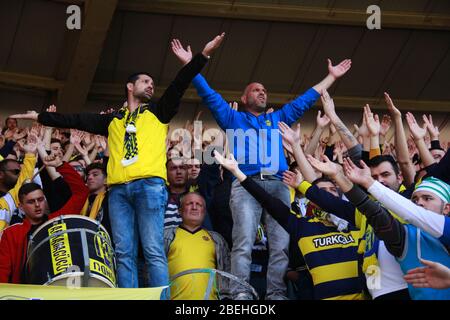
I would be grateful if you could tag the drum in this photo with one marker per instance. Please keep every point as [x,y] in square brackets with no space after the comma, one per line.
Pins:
[71,250]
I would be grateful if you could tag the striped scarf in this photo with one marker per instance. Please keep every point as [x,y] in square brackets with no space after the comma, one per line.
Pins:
[130,140]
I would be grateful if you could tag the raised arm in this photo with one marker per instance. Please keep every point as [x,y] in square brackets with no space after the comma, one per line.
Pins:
[418,134]
[433,130]
[435,224]
[77,187]
[401,144]
[345,134]
[373,124]
[26,173]
[91,122]
[327,201]
[321,124]
[168,104]
[334,72]
[293,138]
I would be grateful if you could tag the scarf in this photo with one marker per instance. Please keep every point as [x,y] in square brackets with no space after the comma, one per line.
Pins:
[96,206]
[130,140]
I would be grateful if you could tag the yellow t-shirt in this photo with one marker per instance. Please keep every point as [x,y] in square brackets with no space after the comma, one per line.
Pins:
[191,250]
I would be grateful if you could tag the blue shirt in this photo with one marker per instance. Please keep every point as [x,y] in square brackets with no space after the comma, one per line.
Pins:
[421,244]
[255,140]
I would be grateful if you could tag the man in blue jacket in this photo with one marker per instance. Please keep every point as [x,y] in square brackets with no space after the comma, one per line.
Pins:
[256,144]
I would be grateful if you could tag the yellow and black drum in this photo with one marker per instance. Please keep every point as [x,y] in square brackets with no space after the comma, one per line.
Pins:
[71,250]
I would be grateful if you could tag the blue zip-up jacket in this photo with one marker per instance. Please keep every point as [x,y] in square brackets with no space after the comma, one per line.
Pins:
[255,141]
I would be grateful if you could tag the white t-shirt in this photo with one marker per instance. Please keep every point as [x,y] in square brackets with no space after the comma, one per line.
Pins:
[391,275]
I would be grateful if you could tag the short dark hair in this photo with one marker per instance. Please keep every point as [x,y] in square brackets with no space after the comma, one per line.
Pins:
[6,120]
[96,165]
[377,160]
[133,78]
[28,188]
[53,140]
[66,134]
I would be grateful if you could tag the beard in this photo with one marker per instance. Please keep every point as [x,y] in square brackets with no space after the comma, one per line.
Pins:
[143,96]
[257,104]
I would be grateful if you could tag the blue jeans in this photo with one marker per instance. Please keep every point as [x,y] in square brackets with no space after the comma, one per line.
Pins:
[247,212]
[136,209]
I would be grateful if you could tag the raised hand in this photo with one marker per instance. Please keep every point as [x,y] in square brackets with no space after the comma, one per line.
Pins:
[361,176]
[434,131]
[363,130]
[340,69]
[372,121]
[103,143]
[184,55]
[19,134]
[35,129]
[52,161]
[228,163]
[328,104]
[292,179]
[292,137]
[197,117]
[395,113]
[9,134]
[327,167]
[211,46]
[76,136]
[338,151]
[417,132]
[57,134]
[30,115]
[433,275]
[87,137]
[82,150]
[322,122]
[108,110]
[234,105]
[385,125]
[51,108]
[31,144]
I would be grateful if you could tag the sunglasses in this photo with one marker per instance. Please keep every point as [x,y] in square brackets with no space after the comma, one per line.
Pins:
[78,168]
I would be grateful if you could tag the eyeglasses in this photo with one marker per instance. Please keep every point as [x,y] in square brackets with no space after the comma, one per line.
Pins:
[15,171]
[78,168]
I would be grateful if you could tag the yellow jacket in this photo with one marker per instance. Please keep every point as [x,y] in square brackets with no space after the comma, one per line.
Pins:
[151,129]
[10,201]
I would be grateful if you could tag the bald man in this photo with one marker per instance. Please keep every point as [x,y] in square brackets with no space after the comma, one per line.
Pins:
[256,144]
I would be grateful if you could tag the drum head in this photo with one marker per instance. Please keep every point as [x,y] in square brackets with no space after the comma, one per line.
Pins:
[67,245]
[75,280]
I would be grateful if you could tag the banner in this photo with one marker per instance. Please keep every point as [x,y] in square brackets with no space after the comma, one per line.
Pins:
[10,291]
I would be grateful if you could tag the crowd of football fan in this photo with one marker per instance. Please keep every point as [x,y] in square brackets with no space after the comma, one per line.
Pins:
[358,213]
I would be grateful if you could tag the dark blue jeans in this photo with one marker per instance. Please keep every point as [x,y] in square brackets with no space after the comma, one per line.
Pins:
[136,210]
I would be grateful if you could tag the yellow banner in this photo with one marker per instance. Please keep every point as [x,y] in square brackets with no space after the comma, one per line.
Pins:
[10,291]
[103,269]
[60,249]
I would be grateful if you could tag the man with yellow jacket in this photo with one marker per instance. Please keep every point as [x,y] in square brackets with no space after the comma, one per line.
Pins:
[11,179]
[136,172]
